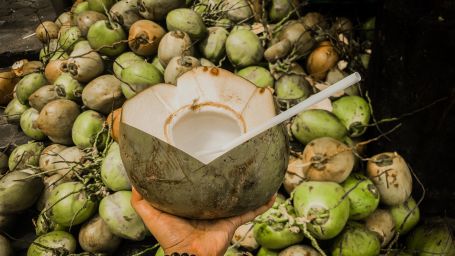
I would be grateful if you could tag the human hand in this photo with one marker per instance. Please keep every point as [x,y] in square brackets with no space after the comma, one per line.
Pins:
[198,237]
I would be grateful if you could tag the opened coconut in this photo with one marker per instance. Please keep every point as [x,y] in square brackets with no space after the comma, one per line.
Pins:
[161,146]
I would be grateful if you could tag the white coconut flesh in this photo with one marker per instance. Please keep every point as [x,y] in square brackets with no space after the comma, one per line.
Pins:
[207,109]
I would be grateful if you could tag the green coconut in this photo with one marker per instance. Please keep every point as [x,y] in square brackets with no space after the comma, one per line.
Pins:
[238,10]
[324,204]
[44,225]
[113,173]
[18,191]
[139,76]
[87,129]
[120,217]
[259,76]
[157,10]
[67,87]
[405,215]
[28,126]
[435,237]
[316,123]
[69,38]
[69,204]
[267,252]
[281,8]
[107,37]
[363,196]
[101,6]
[244,48]
[213,47]
[356,240]
[14,110]
[354,113]
[28,85]
[53,243]
[25,155]
[125,60]
[188,21]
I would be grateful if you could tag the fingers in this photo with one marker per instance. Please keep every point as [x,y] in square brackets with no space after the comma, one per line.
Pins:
[135,196]
[148,213]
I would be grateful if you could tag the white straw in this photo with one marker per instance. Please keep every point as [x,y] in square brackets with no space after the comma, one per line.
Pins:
[283,116]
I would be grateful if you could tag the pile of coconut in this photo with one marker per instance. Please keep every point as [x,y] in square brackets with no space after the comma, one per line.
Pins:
[128,93]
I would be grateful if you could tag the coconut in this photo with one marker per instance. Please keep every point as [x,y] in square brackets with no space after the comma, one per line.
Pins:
[276,228]
[392,177]
[52,243]
[78,8]
[87,18]
[238,10]
[381,222]
[69,37]
[244,48]
[42,96]
[25,155]
[56,120]
[295,173]
[7,83]
[324,205]
[49,156]
[328,160]
[405,215]
[363,196]
[54,69]
[173,44]
[14,110]
[85,63]
[28,124]
[321,60]
[49,184]
[178,66]
[144,37]
[67,87]
[314,20]
[101,6]
[354,113]
[125,60]
[46,31]
[52,51]
[435,237]
[24,67]
[316,123]
[113,173]
[95,237]
[213,46]
[64,20]
[44,225]
[297,250]
[232,251]
[278,50]
[120,217]
[125,12]
[69,204]
[107,37]
[158,9]
[217,107]
[188,21]
[356,240]
[18,191]
[298,35]
[103,94]
[342,25]
[5,247]
[138,76]
[259,76]
[292,89]
[28,85]
[244,237]
[113,121]
[68,161]
[281,8]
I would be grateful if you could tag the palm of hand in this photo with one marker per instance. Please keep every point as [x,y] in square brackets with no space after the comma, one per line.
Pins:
[199,237]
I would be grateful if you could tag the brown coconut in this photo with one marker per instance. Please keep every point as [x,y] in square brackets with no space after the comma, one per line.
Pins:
[208,108]
[328,159]
[144,37]
[321,60]
[7,82]
[392,177]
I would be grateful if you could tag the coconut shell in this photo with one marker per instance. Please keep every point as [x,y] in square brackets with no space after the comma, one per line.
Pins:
[238,181]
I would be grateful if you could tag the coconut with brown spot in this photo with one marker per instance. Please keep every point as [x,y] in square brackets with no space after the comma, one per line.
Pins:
[144,37]
[328,159]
